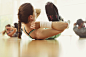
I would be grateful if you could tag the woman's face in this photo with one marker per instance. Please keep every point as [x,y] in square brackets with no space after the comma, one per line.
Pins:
[7,29]
[82,25]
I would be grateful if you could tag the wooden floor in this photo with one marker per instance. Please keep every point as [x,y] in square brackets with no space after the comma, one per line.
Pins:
[64,46]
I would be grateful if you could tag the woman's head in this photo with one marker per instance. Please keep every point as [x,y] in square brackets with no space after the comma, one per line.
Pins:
[80,22]
[16,25]
[8,25]
[26,13]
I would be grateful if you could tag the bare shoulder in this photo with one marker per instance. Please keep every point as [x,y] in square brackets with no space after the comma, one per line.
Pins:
[33,34]
[36,32]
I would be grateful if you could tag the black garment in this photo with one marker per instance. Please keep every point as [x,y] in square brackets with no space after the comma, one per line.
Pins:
[52,12]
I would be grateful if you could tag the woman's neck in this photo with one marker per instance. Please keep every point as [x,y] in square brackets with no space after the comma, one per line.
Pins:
[27,27]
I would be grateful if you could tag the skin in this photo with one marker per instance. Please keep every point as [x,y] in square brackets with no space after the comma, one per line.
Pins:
[80,26]
[9,29]
[41,33]
[14,29]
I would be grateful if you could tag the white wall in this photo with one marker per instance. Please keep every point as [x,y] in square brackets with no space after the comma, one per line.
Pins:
[72,10]
[68,9]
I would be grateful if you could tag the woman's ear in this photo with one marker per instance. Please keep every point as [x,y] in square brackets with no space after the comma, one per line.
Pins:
[30,17]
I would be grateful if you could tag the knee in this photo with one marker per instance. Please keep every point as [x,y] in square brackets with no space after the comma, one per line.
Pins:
[66,25]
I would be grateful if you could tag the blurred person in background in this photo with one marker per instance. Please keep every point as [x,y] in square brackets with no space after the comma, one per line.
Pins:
[80,30]
[9,30]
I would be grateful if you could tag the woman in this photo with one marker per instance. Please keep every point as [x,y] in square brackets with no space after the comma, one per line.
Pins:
[80,30]
[27,16]
[10,31]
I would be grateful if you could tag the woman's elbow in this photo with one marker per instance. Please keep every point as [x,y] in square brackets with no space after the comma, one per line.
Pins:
[39,35]
[9,35]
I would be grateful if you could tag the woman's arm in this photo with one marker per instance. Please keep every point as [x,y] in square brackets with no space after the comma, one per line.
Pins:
[60,26]
[75,24]
[84,21]
[38,11]
[3,32]
[41,33]
[12,32]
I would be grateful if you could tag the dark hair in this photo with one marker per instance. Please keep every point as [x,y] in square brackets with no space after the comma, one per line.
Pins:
[16,25]
[79,21]
[8,25]
[25,10]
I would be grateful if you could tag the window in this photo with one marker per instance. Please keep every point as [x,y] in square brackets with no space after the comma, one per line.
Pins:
[4,20]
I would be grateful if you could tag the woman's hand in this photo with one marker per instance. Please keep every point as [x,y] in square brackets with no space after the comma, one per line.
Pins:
[75,24]
[35,25]
[38,11]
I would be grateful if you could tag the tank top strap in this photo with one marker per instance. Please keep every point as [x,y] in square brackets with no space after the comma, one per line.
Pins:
[29,32]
